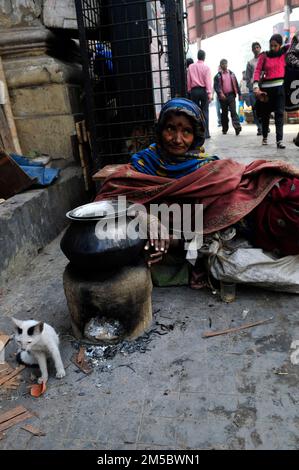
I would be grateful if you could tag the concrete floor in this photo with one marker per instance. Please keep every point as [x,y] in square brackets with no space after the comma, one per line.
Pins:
[237,391]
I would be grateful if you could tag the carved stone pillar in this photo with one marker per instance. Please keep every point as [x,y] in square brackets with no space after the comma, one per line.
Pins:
[59,14]
[43,77]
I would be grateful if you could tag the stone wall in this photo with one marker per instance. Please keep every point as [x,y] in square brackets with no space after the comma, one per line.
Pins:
[59,14]
[44,78]
[20,13]
[31,220]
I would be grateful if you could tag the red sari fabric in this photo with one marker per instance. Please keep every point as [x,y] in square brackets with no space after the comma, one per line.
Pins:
[228,190]
[276,219]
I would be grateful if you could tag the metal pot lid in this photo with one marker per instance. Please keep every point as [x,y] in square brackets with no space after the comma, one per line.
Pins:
[97,210]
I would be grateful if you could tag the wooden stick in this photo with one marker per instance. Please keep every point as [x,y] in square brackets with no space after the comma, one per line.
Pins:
[18,410]
[84,170]
[4,339]
[209,334]
[78,131]
[84,132]
[33,430]
[8,113]
[5,370]
[80,361]
[89,139]
[5,134]
[11,375]
[16,420]
[81,154]
[12,383]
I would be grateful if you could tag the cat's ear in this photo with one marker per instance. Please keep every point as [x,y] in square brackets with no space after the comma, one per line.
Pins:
[39,327]
[17,322]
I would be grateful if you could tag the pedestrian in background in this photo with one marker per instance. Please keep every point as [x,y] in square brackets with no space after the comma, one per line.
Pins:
[217,102]
[244,89]
[227,88]
[250,68]
[270,93]
[218,111]
[189,61]
[199,85]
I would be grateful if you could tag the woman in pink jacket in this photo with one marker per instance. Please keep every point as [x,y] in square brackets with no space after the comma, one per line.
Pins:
[268,87]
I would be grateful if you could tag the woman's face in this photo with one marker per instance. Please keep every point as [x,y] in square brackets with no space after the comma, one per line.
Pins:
[274,46]
[177,135]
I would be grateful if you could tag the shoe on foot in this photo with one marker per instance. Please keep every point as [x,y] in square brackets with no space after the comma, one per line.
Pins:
[259,132]
[265,141]
[238,130]
[224,132]
[280,145]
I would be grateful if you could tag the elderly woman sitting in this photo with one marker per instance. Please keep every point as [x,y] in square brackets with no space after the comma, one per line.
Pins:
[264,195]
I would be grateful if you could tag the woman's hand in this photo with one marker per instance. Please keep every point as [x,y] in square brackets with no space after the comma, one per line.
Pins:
[256,91]
[260,95]
[158,242]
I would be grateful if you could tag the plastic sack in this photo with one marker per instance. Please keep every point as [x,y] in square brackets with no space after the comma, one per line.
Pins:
[237,261]
[241,111]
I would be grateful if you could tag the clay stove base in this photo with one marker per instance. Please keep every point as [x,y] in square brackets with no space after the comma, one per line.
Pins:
[124,295]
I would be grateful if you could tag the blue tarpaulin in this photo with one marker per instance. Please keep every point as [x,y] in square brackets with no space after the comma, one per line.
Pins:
[44,176]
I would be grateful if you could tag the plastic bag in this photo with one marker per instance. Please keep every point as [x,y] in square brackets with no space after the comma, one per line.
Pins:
[237,261]
[241,111]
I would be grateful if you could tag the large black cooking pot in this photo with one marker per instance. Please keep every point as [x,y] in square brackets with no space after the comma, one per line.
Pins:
[85,247]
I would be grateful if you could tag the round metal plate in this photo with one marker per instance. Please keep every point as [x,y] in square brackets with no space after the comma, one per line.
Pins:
[98,210]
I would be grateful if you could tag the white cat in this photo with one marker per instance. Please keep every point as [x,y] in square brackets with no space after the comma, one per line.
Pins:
[36,341]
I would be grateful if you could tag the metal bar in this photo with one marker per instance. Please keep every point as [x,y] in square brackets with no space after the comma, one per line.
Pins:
[127,137]
[231,14]
[130,74]
[115,41]
[128,56]
[113,124]
[130,106]
[135,90]
[87,81]
[214,16]
[133,71]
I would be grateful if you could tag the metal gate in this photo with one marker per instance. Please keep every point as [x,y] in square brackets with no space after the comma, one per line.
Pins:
[133,61]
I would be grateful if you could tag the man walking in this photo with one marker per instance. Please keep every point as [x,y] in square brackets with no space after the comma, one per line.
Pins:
[199,85]
[251,64]
[227,88]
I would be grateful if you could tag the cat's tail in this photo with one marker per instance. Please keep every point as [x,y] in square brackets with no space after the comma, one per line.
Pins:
[26,359]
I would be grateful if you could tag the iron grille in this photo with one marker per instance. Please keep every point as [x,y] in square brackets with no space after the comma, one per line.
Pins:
[133,61]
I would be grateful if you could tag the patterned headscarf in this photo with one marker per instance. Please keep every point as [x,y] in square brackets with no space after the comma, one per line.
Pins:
[154,161]
[188,107]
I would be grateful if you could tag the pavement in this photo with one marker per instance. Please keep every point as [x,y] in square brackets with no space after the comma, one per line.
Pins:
[180,391]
